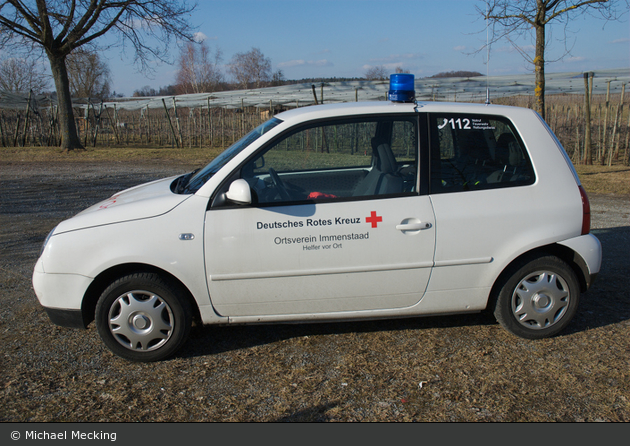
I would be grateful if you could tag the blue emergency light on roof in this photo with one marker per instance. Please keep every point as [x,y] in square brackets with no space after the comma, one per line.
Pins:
[401,88]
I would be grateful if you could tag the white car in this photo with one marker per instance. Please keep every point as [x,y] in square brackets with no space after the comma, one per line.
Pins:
[335,212]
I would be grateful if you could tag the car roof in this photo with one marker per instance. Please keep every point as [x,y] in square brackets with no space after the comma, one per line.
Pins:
[382,107]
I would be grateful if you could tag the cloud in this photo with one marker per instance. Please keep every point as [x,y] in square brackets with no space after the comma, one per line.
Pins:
[459,48]
[626,40]
[302,62]
[199,37]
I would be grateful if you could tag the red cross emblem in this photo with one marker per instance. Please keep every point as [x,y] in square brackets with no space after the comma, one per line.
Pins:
[374,219]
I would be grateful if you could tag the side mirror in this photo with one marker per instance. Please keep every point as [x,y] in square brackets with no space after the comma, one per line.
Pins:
[239,192]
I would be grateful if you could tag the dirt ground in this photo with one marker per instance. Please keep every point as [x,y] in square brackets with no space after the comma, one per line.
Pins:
[455,368]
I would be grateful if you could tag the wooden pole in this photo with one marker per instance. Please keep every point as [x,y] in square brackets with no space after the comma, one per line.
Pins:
[2,129]
[614,134]
[28,112]
[17,130]
[113,125]
[605,132]
[97,122]
[588,155]
[87,122]
[210,124]
[179,129]
[168,116]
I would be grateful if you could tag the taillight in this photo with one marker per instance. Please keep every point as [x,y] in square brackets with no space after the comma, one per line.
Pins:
[586,212]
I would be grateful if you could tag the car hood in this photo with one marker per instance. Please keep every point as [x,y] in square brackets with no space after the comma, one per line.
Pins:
[143,201]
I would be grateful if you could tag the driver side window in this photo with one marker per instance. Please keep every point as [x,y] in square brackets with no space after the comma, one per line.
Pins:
[337,160]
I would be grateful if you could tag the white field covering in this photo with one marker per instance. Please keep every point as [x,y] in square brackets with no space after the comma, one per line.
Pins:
[427,89]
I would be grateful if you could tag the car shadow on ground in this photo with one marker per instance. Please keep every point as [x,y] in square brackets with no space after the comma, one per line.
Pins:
[210,340]
[606,303]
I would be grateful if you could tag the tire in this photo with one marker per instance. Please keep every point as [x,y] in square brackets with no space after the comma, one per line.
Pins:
[538,298]
[140,318]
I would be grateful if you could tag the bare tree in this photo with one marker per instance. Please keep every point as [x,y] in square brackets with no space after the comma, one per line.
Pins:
[512,20]
[88,74]
[22,75]
[277,78]
[376,73]
[250,69]
[199,70]
[60,26]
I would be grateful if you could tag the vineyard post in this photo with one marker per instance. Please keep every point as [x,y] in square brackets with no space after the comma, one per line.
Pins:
[210,124]
[168,116]
[626,157]
[2,129]
[606,110]
[28,112]
[179,129]
[86,116]
[17,129]
[112,124]
[148,126]
[588,156]
[614,133]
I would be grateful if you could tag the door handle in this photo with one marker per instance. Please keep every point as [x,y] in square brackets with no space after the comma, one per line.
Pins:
[413,226]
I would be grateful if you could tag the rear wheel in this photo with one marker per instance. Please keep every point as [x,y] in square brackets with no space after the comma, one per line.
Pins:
[141,318]
[538,298]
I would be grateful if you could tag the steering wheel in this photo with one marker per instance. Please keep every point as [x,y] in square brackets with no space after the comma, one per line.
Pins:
[277,182]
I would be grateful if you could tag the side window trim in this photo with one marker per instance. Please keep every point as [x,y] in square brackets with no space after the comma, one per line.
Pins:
[477,159]
[218,202]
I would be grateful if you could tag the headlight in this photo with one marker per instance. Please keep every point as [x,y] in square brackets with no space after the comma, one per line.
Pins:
[46,241]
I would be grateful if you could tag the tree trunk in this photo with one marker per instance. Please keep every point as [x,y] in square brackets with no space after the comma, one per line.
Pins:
[539,68]
[68,129]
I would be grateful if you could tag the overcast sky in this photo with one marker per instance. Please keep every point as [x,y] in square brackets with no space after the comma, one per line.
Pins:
[343,38]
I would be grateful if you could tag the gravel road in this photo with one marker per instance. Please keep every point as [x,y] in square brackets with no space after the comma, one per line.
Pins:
[456,368]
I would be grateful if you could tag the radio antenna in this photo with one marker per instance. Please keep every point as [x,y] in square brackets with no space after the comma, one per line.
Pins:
[487,57]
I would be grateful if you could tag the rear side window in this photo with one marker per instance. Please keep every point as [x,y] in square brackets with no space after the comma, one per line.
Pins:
[476,152]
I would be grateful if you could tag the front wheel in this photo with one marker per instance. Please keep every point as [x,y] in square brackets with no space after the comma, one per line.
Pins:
[538,298]
[141,318]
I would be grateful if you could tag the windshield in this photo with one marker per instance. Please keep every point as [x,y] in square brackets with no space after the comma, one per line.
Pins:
[200,177]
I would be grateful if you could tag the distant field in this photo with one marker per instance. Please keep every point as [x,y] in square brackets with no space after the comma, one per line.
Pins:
[596,179]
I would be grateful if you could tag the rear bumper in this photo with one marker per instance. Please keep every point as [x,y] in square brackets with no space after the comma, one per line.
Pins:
[588,255]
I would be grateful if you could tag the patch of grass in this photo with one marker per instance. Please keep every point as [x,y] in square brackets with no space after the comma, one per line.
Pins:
[605,180]
[194,155]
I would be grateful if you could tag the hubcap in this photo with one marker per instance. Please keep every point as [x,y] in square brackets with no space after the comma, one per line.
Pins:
[540,300]
[140,320]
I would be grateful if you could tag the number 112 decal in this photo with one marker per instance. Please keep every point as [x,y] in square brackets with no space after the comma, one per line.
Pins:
[461,124]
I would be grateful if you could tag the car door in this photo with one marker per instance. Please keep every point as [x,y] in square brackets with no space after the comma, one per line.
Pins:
[336,224]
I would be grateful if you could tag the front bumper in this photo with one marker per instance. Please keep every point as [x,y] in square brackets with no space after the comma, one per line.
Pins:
[66,318]
[61,295]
